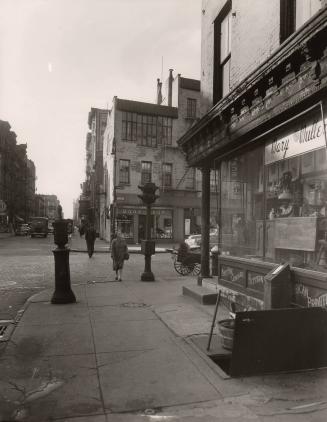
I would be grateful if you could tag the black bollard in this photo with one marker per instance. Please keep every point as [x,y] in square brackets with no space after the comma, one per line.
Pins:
[63,292]
[148,197]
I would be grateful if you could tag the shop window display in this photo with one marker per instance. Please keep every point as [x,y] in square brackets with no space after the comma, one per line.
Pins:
[274,199]
[125,225]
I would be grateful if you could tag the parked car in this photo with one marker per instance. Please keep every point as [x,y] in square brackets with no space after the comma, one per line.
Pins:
[39,226]
[22,230]
[194,240]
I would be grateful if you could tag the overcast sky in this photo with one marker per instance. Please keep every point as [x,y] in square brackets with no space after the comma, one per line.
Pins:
[59,58]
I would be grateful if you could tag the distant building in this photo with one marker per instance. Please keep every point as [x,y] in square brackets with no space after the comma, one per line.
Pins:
[17,179]
[46,206]
[140,146]
[92,190]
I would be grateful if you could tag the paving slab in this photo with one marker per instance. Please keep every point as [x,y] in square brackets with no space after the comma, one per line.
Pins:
[33,341]
[184,319]
[129,335]
[163,376]
[58,386]
[47,313]
[117,313]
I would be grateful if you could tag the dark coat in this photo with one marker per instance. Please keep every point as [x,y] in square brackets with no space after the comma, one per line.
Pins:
[118,251]
[90,234]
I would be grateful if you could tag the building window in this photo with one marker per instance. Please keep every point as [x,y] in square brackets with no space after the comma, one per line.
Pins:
[294,13]
[190,178]
[222,59]
[191,108]
[129,128]
[124,166]
[214,178]
[167,170]
[147,130]
[146,172]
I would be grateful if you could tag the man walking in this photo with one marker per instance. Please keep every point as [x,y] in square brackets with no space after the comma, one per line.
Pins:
[90,236]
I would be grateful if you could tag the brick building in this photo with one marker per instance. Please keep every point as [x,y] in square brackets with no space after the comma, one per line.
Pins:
[17,179]
[262,128]
[92,188]
[46,206]
[140,145]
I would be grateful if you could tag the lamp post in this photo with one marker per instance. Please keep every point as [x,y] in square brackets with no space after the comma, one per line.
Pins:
[148,197]
[63,292]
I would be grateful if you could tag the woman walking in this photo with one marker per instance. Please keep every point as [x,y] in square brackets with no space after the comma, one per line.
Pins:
[119,253]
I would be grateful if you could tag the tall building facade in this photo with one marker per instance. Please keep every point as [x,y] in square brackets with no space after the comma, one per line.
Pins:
[140,146]
[92,196]
[46,206]
[17,179]
[262,128]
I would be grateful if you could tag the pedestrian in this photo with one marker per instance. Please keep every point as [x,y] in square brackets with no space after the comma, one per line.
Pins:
[90,236]
[119,254]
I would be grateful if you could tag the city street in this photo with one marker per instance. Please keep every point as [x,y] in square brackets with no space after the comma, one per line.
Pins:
[27,267]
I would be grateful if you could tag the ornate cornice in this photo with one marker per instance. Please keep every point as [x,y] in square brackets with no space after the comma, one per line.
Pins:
[295,72]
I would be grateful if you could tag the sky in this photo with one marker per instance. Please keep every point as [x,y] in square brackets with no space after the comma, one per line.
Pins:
[59,58]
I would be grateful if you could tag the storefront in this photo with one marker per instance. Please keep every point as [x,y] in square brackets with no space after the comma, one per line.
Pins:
[130,222]
[274,195]
[267,141]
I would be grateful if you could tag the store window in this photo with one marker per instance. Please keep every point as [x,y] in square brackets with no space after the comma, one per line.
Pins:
[167,171]
[125,225]
[124,172]
[146,172]
[161,224]
[191,108]
[222,59]
[275,208]
[242,205]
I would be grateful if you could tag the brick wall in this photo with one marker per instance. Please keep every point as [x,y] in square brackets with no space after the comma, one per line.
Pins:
[255,35]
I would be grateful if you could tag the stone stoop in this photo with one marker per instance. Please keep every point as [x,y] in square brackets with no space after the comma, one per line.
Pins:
[203,295]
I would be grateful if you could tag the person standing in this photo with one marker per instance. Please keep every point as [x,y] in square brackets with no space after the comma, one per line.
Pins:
[90,236]
[119,253]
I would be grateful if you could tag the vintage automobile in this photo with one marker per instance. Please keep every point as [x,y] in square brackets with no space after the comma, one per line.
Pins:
[22,230]
[38,226]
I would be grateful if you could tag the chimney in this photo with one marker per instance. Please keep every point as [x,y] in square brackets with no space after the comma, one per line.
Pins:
[170,87]
[159,93]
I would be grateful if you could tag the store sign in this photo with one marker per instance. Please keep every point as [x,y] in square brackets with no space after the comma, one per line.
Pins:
[310,296]
[255,281]
[235,275]
[307,136]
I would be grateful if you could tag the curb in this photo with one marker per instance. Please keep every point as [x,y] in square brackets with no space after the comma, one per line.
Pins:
[108,251]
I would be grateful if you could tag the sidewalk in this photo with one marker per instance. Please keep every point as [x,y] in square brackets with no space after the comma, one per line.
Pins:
[78,244]
[123,352]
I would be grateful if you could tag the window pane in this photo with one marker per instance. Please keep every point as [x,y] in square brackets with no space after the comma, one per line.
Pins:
[225,37]
[242,205]
[124,171]
[226,78]
[305,9]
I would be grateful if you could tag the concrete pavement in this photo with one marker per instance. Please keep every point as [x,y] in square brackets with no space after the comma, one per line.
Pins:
[125,352]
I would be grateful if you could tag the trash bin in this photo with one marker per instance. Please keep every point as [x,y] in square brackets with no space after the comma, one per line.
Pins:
[226,332]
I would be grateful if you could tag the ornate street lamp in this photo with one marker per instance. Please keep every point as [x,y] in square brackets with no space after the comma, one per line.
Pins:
[148,197]
[63,292]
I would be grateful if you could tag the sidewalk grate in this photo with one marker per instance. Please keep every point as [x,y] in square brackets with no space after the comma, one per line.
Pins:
[134,305]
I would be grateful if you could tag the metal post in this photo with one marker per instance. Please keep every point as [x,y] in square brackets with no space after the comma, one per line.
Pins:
[63,292]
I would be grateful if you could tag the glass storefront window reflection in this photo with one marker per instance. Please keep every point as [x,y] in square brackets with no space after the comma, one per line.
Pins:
[242,205]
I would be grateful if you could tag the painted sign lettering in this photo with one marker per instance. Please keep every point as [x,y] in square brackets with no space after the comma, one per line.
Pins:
[255,281]
[306,136]
[235,275]
[310,296]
